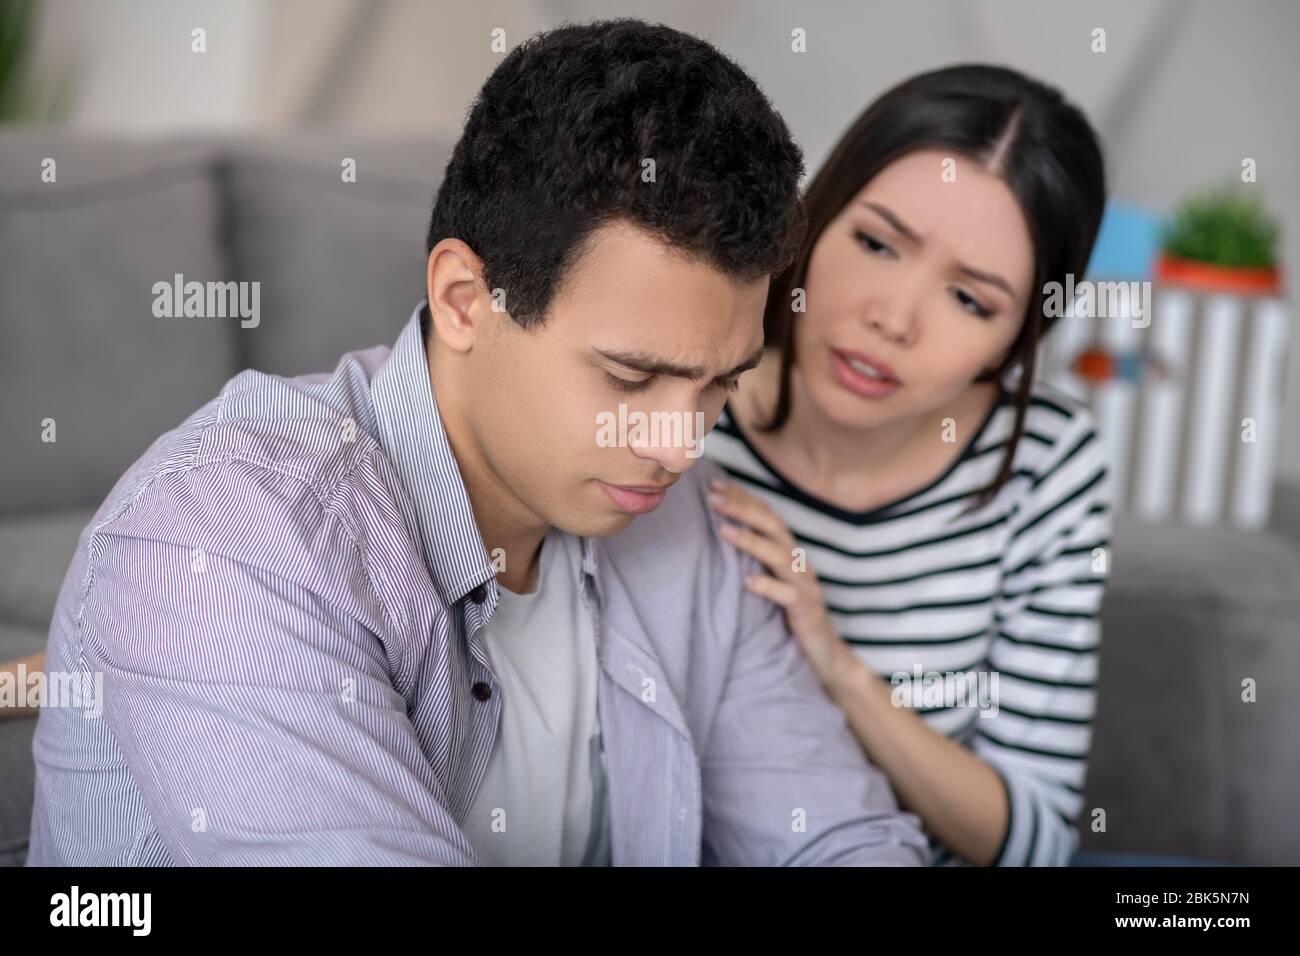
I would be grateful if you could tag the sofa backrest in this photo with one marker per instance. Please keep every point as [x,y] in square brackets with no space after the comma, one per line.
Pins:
[90,375]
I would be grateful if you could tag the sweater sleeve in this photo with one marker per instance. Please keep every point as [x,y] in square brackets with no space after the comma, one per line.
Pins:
[1044,656]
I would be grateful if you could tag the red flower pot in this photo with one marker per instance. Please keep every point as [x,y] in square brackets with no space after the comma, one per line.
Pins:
[1206,277]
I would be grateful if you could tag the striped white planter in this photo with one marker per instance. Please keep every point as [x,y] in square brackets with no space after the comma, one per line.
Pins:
[1176,444]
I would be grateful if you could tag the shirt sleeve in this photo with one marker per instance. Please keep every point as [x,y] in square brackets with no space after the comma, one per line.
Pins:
[1044,655]
[259,723]
[785,780]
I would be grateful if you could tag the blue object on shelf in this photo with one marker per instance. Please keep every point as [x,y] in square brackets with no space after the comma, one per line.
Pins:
[1127,243]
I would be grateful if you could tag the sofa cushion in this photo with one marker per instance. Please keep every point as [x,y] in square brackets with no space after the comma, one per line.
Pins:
[80,346]
[35,551]
[1179,761]
[20,640]
[17,784]
[341,264]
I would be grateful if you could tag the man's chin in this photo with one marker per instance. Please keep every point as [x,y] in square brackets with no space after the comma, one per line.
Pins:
[596,517]
[595,523]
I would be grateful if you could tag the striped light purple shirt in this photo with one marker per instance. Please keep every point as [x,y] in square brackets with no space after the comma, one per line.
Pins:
[285,597]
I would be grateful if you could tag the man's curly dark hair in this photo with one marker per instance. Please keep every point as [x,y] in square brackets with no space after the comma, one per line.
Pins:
[555,144]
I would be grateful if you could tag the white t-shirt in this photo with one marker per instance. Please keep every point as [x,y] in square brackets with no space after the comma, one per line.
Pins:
[542,801]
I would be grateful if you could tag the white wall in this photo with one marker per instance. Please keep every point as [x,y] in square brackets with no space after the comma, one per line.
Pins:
[133,70]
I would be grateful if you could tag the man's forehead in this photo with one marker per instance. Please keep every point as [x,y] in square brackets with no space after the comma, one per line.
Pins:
[619,252]
[690,364]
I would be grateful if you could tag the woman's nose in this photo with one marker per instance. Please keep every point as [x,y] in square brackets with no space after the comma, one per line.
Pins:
[895,319]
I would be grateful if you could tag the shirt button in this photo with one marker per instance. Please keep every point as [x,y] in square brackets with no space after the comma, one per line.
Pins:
[481,691]
[478,595]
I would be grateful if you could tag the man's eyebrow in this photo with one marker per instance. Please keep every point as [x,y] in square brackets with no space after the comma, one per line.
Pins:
[976,274]
[654,365]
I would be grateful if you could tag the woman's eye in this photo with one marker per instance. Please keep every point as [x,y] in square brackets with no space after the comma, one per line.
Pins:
[972,305]
[730,384]
[629,385]
[872,244]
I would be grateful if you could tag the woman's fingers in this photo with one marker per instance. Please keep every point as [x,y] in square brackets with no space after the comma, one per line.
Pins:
[756,529]
[778,592]
[729,499]
[773,556]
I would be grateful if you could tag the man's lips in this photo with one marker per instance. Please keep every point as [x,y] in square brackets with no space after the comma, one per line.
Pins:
[635,499]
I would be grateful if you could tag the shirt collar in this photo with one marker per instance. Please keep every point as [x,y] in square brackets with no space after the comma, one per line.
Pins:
[412,433]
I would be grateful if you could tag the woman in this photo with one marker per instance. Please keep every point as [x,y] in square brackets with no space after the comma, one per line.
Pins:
[956,513]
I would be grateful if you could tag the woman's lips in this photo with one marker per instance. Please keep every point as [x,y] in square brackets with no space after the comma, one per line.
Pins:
[634,499]
[860,383]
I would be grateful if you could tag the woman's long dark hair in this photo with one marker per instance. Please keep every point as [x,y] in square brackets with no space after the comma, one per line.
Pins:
[1025,133]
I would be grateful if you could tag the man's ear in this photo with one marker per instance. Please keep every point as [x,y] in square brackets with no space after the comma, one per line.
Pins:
[456,294]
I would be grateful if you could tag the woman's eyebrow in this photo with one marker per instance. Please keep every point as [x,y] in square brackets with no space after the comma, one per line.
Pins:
[654,365]
[978,275]
[893,220]
[991,278]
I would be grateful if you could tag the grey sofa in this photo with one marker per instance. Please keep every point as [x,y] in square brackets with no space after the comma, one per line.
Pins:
[1180,764]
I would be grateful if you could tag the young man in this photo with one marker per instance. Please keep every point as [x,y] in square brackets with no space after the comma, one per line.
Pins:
[378,617]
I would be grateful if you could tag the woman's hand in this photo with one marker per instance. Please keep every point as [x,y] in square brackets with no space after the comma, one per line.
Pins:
[791,582]
[19,672]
